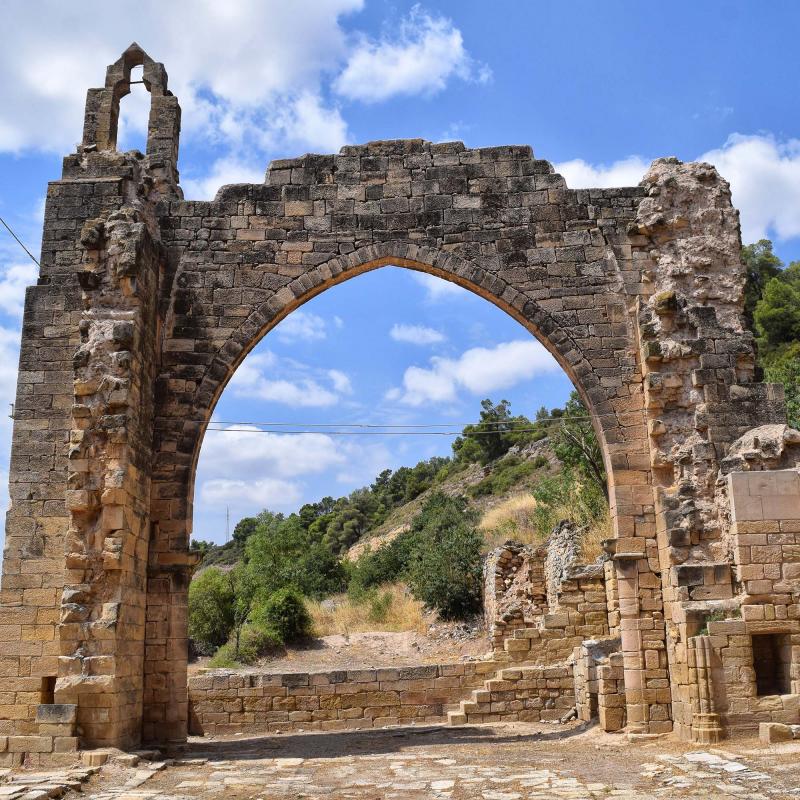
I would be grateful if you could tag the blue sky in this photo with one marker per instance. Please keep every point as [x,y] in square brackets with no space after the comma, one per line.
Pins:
[598,89]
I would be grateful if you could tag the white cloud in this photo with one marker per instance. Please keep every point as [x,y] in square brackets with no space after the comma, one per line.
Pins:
[9,361]
[437,288]
[309,123]
[305,392]
[763,171]
[416,334]
[580,174]
[480,370]
[301,326]
[270,493]
[246,450]
[223,171]
[281,54]
[299,386]
[13,282]
[427,52]
[248,469]
[764,174]
[341,382]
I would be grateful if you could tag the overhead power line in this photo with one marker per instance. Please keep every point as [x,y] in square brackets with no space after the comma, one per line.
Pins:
[405,426]
[359,433]
[19,242]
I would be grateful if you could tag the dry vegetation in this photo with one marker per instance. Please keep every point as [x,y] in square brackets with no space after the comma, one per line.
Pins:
[391,608]
[592,543]
[511,519]
[514,518]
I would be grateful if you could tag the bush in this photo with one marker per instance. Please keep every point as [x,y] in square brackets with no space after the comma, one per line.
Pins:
[254,642]
[285,613]
[211,612]
[387,564]
[506,474]
[379,606]
[564,496]
[783,366]
[281,554]
[446,569]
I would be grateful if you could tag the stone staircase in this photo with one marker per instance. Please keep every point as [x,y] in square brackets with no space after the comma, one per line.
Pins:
[524,693]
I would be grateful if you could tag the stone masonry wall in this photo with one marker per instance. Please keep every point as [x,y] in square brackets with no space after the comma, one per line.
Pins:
[254,702]
[766,539]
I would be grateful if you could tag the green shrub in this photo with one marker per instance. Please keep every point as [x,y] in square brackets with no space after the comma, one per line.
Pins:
[285,613]
[223,658]
[446,567]
[506,474]
[387,564]
[211,612]
[565,496]
[254,642]
[379,606]
[280,554]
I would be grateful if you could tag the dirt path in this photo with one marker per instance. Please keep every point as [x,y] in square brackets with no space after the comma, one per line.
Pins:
[450,644]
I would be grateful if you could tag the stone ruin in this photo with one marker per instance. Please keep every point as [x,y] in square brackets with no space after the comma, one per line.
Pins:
[146,303]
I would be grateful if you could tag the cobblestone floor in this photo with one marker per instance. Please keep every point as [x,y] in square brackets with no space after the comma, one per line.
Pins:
[501,762]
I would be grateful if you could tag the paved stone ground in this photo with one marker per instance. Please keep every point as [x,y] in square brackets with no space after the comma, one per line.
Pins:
[500,762]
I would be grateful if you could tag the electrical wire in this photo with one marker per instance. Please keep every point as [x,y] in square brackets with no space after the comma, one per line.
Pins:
[19,242]
[413,426]
[371,433]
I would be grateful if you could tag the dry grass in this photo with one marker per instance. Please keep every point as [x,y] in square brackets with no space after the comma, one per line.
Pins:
[391,608]
[592,542]
[511,519]
[514,519]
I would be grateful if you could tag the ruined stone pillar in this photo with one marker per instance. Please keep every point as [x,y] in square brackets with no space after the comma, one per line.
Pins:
[706,727]
[700,384]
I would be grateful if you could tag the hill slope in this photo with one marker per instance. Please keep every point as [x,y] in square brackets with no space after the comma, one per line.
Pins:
[485,487]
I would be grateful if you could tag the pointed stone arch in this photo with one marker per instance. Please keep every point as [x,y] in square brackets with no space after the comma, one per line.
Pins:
[146,303]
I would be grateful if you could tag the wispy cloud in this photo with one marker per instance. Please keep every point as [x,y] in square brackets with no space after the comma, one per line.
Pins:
[437,288]
[416,334]
[580,174]
[298,385]
[303,326]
